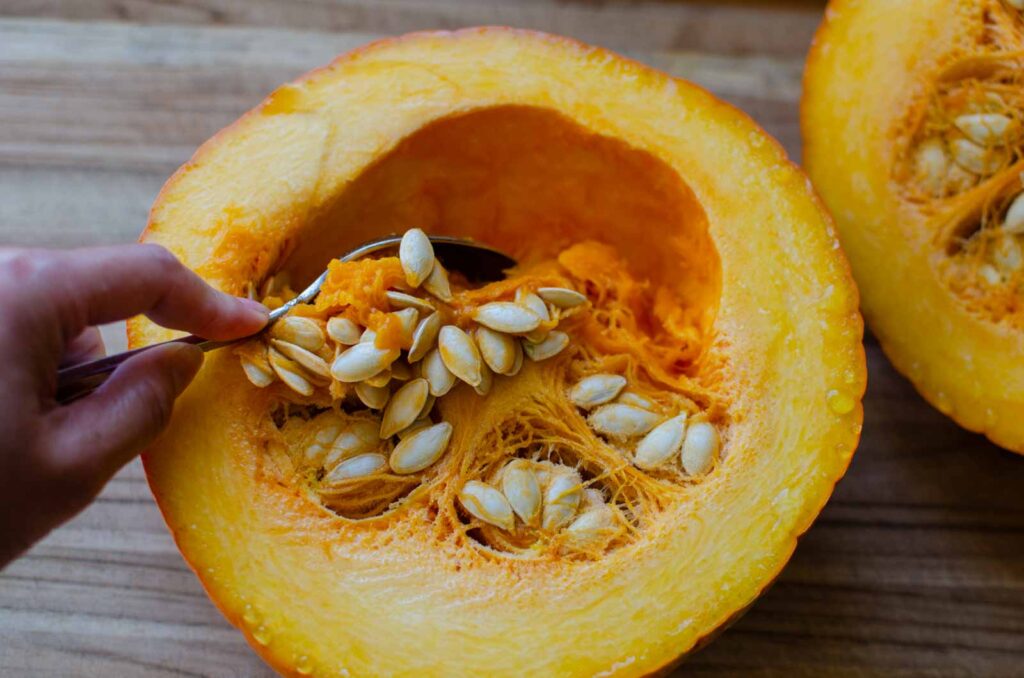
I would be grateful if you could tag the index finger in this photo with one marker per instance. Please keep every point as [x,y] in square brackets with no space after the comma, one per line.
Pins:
[98,285]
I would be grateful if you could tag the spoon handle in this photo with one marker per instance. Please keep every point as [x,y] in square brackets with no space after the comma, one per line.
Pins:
[79,380]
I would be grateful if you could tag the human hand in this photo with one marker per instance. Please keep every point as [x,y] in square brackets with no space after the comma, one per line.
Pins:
[55,459]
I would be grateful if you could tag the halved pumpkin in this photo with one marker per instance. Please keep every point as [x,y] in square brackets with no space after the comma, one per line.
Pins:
[912,118]
[712,273]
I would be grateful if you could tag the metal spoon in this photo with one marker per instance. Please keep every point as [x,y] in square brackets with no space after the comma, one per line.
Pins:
[479,263]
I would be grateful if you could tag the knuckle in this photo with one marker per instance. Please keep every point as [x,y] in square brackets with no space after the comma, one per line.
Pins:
[161,258]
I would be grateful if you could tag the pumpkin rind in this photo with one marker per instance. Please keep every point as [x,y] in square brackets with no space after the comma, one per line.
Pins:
[868,71]
[313,593]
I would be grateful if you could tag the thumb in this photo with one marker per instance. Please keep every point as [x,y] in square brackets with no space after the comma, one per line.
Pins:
[97,435]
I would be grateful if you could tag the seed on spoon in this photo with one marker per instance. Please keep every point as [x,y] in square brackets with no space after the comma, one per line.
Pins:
[437,283]
[290,373]
[343,331]
[424,337]
[460,354]
[307,359]
[439,377]
[554,344]
[561,297]
[403,300]
[506,316]
[304,332]
[416,255]
[362,361]
[497,349]
[258,372]
[531,301]
[374,397]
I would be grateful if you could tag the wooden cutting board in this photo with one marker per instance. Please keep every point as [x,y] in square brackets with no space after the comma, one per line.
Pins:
[916,567]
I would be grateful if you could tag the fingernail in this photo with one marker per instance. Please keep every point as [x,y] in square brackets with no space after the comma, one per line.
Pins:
[255,309]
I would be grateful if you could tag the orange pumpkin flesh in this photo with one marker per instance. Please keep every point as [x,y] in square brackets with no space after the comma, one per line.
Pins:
[537,145]
[886,86]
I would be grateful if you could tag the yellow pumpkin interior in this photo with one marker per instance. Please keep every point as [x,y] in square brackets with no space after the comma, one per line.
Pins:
[716,281]
[915,138]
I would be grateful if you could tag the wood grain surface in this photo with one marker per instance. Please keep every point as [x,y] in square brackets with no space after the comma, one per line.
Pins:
[915,568]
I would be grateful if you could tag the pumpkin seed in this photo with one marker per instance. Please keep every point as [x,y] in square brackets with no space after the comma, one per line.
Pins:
[555,343]
[1016,4]
[597,389]
[427,407]
[405,407]
[310,361]
[258,372]
[986,129]
[290,373]
[622,421]
[323,439]
[486,381]
[437,283]
[424,337]
[636,400]
[407,318]
[561,297]
[362,361]
[497,349]
[403,300]
[460,354]
[990,275]
[661,444]
[531,301]
[931,164]
[439,377]
[699,448]
[1013,222]
[356,467]
[1007,254]
[343,331]
[417,425]
[591,529]
[374,397]
[368,337]
[401,371]
[379,380]
[304,332]
[357,437]
[416,255]
[517,364]
[519,485]
[592,498]
[506,316]
[421,449]
[561,498]
[977,159]
[487,504]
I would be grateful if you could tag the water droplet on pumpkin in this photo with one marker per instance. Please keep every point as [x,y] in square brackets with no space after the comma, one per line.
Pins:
[261,634]
[249,615]
[839,402]
[943,403]
[303,666]
[990,417]
[850,377]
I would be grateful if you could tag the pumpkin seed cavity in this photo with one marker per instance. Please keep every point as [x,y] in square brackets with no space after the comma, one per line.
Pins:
[358,388]
[963,166]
